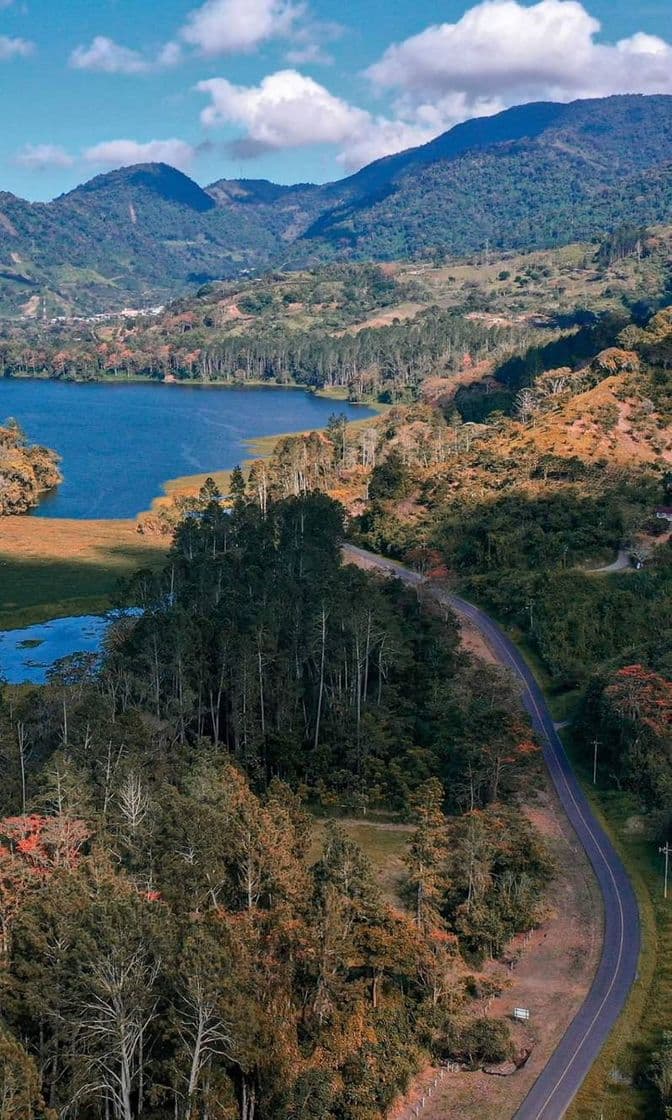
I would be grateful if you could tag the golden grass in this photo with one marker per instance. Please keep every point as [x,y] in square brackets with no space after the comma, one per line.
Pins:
[51,567]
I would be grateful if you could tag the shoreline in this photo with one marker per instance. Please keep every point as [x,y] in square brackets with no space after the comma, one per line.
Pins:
[54,567]
[335,393]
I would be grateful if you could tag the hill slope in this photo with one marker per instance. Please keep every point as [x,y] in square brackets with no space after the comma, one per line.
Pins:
[530,177]
[533,176]
[135,236]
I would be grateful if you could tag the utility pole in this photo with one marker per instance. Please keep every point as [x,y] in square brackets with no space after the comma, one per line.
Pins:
[667,852]
[596,743]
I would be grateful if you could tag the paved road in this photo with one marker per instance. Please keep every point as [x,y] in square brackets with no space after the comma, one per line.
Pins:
[560,1080]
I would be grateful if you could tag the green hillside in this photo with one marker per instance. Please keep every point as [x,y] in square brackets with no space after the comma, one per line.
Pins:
[532,177]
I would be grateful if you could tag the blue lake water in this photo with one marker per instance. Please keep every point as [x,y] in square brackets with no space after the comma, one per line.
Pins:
[27,655]
[119,443]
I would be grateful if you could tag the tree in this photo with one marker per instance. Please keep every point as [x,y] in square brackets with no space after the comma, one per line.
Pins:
[118,1005]
[389,479]
[427,855]
[237,487]
[20,1097]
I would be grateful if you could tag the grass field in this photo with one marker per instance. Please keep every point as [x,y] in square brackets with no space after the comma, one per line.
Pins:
[52,568]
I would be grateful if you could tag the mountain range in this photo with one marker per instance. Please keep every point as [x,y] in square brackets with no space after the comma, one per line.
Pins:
[531,177]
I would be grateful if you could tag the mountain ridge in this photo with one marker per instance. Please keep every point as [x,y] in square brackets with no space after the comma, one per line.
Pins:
[530,177]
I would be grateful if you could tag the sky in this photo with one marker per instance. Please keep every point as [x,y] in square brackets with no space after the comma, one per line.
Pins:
[293,90]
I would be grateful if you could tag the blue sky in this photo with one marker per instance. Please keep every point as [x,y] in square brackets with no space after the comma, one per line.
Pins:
[293,90]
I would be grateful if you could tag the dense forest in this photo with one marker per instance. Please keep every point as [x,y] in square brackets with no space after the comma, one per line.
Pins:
[176,939]
[386,362]
[25,471]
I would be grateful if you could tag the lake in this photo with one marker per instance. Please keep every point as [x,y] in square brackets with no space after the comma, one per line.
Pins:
[120,442]
[26,656]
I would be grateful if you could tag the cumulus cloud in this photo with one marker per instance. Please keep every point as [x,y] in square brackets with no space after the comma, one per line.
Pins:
[122,153]
[290,110]
[37,157]
[501,53]
[14,48]
[108,57]
[226,26]
[287,110]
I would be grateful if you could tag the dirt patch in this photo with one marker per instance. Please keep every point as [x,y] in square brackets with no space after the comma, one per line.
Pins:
[30,308]
[474,642]
[401,312]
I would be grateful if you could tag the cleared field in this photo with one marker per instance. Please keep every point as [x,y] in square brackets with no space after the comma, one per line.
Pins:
[51,568]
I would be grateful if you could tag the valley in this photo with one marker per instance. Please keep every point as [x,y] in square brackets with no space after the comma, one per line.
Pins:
[306,832]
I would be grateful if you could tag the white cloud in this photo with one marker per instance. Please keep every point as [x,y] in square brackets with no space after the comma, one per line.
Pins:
[14,48]
[108,57]
[502,53]
[309,40]
[382,137]
[226,26]
[290,110]
[287,110]
[122,153]
[40,156]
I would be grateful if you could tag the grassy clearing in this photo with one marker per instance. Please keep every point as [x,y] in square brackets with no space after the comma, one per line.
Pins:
[52,568]
[384,845]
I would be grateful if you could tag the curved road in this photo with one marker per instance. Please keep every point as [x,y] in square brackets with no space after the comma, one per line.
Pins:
[560,1080]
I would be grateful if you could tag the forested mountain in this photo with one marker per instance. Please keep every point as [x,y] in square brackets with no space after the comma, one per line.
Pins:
[532,176]
[132,236]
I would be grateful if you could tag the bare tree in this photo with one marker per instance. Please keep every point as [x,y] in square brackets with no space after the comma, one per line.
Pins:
[111,1025]
[134,801]
[204,1035]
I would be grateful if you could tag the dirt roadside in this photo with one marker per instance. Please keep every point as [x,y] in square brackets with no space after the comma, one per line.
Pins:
[553,970]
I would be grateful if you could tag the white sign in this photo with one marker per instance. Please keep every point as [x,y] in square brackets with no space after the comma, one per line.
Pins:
[521,1013]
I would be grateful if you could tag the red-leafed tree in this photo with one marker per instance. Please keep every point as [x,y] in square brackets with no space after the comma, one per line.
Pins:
[32,848]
